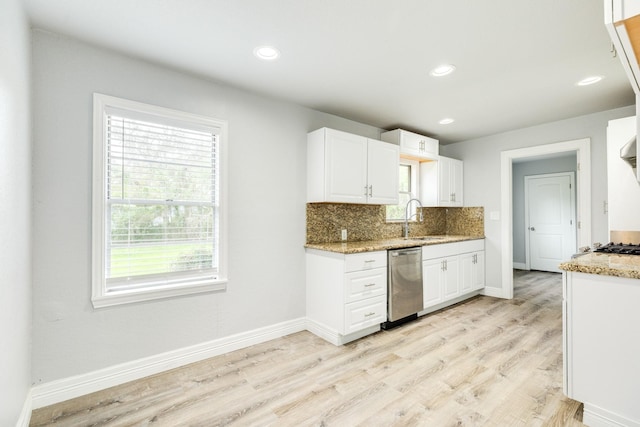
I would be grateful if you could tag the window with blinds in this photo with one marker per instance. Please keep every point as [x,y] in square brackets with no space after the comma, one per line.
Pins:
[408,189]
[160,201]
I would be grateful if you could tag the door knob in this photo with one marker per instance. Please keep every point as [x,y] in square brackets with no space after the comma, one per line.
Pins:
[532,228]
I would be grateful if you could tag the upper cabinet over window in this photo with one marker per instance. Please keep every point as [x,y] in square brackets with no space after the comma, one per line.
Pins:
[412,145]
[622,19]
[348,168]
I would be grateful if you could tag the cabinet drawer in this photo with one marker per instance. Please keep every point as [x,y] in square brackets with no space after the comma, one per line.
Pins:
[365,261]
[365,313]
[365,284]
[471,246]
[440,250]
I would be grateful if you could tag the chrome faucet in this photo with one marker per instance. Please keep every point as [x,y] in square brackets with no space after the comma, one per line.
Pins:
[407,216]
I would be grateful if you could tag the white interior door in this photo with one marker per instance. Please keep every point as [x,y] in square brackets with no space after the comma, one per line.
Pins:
[551,223]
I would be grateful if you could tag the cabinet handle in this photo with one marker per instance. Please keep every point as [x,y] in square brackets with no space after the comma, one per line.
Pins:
[366,190]
[370,314]
[421,145]
[446,265]
[369,260]
[369,285]
[371,191]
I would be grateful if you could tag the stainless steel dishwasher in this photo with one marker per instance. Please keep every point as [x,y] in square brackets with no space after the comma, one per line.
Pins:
[404,286]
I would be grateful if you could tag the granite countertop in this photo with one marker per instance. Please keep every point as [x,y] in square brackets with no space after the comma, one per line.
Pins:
[605,264]
[383,245]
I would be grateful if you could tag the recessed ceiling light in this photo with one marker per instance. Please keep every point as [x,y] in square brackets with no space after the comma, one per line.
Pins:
[268,53]
[443,70]
[446,121]
[589,80]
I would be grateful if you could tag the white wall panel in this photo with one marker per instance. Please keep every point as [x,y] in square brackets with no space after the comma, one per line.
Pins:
[15,215]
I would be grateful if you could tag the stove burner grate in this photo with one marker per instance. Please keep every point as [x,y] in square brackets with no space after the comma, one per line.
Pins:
[619,248]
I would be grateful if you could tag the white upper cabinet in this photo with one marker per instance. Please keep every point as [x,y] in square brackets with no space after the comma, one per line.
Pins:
[383,172]
[412,145]
[622,19]
[347,168]
[441,182]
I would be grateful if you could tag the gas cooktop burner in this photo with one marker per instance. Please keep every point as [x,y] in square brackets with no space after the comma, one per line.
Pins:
[619,248]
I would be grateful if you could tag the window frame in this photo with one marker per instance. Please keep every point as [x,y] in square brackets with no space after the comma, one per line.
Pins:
[413,191]
[101,294]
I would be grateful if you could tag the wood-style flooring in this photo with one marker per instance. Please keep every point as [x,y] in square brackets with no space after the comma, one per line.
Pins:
[484,362]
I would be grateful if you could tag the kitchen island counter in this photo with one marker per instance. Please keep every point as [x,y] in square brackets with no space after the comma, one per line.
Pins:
[605,264]
[383,245]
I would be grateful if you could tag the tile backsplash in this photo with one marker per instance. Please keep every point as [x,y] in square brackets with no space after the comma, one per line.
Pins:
[367,222]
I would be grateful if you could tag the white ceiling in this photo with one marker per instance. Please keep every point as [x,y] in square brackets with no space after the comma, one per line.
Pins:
[369,60]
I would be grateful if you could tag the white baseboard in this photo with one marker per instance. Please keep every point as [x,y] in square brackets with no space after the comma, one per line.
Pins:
[79,385]
[520,266]
[334,337]
[449,303]
[594,416]
[25,415]
[493,292]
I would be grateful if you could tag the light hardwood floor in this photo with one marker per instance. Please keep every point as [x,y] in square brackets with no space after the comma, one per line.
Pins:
[485,362]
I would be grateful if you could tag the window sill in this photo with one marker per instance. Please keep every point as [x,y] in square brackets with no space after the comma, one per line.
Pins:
[120,297]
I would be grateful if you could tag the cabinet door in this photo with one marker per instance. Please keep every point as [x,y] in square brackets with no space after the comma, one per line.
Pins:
[450,282]
[471,271]
[478,272]
[445,192]
[455,181]
[432,271]
[418,146]
[413,145]
[467,272]
[450,180]
[382,172]
[346,167]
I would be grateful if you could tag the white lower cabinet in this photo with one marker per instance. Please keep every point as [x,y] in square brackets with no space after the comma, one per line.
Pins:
[601,326]
[471,271]
[346,294]
[450,277]
[451,271]
[431,282]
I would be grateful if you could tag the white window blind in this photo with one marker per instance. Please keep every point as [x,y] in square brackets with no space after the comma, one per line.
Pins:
[407,190]
[161,202]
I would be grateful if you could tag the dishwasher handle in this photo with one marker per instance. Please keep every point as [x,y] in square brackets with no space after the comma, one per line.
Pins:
[405,252]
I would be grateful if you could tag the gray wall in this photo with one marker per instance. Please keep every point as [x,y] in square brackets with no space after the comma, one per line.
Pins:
[482,172]
[267,152]
[15,217]
[520,170]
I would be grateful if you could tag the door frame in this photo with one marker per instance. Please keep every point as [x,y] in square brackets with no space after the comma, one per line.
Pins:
[527,239]
[582,148]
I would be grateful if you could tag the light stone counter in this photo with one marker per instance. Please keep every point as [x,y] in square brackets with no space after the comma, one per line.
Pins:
[383,245]
[605,264]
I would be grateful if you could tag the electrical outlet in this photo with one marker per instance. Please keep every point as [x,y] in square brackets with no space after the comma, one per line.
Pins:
[344,234]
